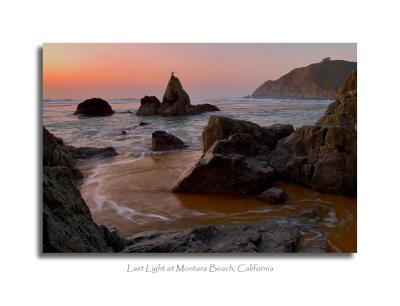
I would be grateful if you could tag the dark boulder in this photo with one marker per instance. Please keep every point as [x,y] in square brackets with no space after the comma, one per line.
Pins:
[219,127]
[163,141]
[232,173]
[94,107]
[149,106]
[274,195]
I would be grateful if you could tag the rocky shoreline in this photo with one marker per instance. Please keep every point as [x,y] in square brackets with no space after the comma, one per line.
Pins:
[239,157]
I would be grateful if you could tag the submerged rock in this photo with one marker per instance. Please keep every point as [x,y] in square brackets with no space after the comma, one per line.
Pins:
[149,106]
[202,108]
[94,107]
[274,195]
[89,152]
[324,156]
[219,127]
[277,235]
[163,141]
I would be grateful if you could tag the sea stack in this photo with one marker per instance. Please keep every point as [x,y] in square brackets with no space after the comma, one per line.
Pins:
[94,107]
[176,102]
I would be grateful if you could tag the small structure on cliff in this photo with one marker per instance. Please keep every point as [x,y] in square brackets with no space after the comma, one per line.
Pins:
[176,102]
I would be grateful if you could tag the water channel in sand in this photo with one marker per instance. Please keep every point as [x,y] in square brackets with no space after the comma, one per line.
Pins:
[132,194]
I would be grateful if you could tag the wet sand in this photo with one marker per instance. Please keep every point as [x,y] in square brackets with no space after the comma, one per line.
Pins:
[132,194]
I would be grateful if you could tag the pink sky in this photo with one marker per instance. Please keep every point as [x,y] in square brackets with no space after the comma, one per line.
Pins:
[80,71]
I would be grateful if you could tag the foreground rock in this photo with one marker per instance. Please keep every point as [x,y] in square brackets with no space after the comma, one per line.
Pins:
[55,153]
[324,156]
[232,163]
[274,195]
[68,226]
[277,235]
[94,107]
[149,106]
[176,102]
[233,173]
[219,127]
[163,141]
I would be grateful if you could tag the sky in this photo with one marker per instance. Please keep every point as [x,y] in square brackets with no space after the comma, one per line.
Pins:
[81,71]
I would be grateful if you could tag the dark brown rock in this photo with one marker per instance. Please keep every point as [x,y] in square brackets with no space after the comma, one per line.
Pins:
[202,108]
[277,235]
[324,156]
[67,223]
[274,195]
[149,106]
[55,153]
[94,107]
[90,152]
[176,101]
[243,144]
[162,141]
[232,173]
[219,127]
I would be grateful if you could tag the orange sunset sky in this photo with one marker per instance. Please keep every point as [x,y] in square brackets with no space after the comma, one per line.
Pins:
[80,71]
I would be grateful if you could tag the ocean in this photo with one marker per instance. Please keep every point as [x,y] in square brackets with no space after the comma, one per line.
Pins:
[132,190]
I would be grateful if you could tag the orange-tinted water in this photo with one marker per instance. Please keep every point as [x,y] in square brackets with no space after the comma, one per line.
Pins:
[132,194]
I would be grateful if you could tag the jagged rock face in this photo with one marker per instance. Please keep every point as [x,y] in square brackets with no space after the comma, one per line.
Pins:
[67,222]
[277,235]
[55,153]
[243,144]
[317,81]
[94,107]
[175,101]
[219,127]
[232,163]
[149,106]
[232,174]
[324,156]
[163,141]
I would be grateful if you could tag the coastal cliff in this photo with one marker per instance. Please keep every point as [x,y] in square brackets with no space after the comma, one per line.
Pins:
[317,81]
